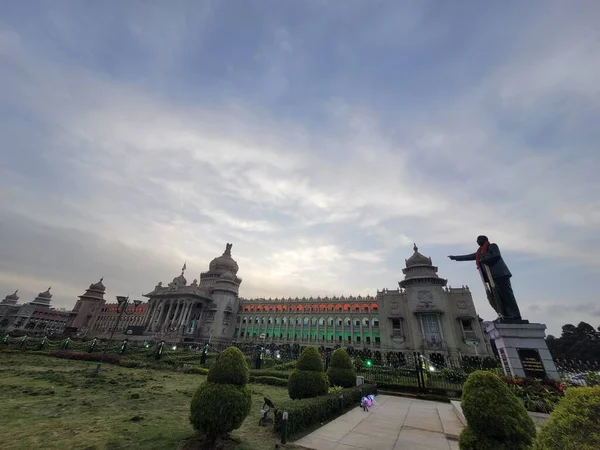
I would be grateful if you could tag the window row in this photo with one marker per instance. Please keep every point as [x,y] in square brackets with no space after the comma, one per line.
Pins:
[321,321]
[356,307]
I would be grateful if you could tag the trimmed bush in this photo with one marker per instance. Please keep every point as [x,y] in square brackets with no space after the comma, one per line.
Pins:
[221,404]
[269,373]
[310,360]
[198,370]
[574,423]
[496,418]
[287,366]
[229,368]
[218,409]
[341,371]
[303,414]
[273,381]
[308,379]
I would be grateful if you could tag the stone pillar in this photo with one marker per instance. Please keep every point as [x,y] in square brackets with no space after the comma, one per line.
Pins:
[522,349]
[155,315]
[167,316]
[174,322]
[183,313]
[149,312]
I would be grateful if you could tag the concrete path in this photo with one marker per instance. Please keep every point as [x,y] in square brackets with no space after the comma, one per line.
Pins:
[394,423]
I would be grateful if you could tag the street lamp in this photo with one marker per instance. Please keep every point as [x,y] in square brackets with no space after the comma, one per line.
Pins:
[122,303]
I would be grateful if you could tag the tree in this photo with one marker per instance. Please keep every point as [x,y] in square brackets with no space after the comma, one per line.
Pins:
[221,404]
[308,379]
[581,342]
[341,371]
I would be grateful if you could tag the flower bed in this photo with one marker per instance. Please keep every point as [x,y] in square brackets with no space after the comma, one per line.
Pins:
[307,412]
[109,359]
[537,395]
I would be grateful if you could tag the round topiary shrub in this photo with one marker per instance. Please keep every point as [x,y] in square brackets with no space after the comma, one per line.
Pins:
[496,418]
[308,379]
[574,423]
[341,370]
[221,404]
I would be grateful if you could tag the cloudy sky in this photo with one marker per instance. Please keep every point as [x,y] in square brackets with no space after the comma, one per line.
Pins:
[322,138]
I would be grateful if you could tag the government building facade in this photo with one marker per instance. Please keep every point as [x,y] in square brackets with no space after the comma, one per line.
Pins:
[422,314]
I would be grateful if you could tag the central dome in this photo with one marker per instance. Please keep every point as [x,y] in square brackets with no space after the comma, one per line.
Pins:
[98,286]
[224,263]
[417,259]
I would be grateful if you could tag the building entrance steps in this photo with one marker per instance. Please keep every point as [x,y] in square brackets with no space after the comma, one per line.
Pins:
[393,423]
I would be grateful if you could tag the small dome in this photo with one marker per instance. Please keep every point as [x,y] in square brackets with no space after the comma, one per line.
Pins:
[98,286]
[45,294]
[224,263]
[227,276]
[180,280]
[417,259]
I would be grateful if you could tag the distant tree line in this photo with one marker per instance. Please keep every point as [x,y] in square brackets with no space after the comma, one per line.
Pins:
[581,342]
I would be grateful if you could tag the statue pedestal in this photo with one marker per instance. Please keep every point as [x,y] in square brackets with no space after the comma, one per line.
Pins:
[522,349]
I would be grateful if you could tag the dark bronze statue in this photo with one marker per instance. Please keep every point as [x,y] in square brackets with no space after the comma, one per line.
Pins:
[496,278]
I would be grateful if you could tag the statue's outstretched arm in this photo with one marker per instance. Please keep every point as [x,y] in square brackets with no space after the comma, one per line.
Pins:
[469,257]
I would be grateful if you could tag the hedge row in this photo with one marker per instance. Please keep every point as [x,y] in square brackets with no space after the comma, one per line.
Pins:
[307,412]
[273,381]
[109,359]
[270,373]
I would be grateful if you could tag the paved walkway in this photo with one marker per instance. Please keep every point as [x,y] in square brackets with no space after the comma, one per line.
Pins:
[394,423]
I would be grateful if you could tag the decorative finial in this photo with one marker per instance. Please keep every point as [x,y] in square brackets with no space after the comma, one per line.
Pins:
[49,289]
[101,279]
[183,268]
[16,291]
[415,248]
[228,249]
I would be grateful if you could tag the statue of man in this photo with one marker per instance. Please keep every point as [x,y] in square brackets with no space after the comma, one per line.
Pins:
[491,265]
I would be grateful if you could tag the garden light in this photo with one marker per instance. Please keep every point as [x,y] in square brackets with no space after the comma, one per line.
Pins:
[369,363]
[174,347]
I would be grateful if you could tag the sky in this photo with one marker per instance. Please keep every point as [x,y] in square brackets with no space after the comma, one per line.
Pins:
[320,137]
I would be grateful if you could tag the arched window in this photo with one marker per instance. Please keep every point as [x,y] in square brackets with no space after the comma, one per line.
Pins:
[347,321]
[321,321]
[375,322]
[300,308]
[330,321]
[338,321]
[374,307]
[346,307]
[284,320]
[256,320]
[244,320]
[315,307]
[285,308]
[356,308]
[365,307]
[338,307]
[259,307]
[365,322]
[270,320]
[313,321]
[306,321]
[276,320]
[298,321]
[330,307]
[292,308]
[278,308]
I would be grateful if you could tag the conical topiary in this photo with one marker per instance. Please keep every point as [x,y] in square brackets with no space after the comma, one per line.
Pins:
[308,379]
[221,404]
[341,370]
[496,418]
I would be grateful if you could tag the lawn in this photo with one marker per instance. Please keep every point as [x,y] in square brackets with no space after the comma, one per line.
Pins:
[54,404]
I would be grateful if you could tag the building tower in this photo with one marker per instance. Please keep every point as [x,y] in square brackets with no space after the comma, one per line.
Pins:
[87,309]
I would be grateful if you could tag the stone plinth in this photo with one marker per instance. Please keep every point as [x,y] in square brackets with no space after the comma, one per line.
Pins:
[522,349]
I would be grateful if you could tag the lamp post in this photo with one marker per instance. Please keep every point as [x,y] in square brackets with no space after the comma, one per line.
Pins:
[122,303]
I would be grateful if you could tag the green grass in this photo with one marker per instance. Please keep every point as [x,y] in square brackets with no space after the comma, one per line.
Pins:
[54,404]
